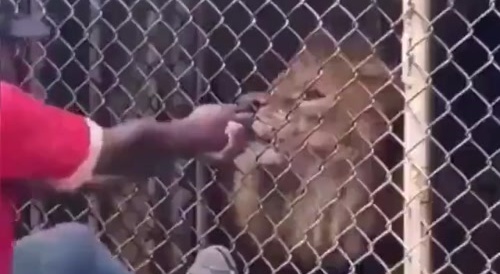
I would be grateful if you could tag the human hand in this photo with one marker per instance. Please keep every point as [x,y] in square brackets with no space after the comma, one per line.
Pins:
[219,130]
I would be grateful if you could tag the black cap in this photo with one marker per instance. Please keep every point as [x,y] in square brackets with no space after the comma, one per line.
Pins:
[15,25]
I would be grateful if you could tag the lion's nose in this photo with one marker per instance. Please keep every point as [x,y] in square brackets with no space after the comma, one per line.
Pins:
[280,140]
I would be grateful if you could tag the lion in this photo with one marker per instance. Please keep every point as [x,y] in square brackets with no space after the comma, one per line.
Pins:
[303,192]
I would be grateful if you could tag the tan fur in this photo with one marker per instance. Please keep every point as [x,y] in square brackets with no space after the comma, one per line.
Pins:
[309,193]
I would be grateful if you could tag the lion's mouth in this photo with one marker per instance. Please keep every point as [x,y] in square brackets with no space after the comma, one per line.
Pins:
[266,153]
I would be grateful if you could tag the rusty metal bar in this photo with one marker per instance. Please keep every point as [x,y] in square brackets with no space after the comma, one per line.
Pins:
[416,66]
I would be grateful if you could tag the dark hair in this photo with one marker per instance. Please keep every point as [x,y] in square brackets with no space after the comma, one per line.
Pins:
[16,25]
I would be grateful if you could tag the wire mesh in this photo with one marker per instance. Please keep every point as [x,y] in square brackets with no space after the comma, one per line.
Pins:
[321,188]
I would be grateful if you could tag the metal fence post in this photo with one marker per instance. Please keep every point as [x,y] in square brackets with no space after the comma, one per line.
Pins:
[415,61]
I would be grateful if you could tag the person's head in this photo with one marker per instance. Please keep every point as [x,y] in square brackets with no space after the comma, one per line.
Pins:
[15,28]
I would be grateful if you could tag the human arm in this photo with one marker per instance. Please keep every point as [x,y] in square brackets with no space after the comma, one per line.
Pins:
[41,142]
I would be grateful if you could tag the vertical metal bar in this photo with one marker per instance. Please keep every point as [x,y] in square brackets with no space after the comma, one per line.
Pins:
[416,65]
[149,242]
[35,57]
[37,207]
[95,96]
[201,221]
[201,178]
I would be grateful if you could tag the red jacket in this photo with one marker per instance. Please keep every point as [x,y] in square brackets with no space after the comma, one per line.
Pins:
[44,143]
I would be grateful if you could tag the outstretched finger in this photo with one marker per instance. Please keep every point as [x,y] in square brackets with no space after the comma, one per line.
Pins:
[246,108]
[252,101]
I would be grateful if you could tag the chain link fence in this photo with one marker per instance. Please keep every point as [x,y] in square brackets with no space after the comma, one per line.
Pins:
[375,153]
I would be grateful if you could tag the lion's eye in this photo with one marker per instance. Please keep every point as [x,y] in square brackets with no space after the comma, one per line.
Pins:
[282,112]
[287,102]
[313,94]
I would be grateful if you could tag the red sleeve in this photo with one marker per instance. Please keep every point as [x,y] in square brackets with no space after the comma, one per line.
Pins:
[42,142]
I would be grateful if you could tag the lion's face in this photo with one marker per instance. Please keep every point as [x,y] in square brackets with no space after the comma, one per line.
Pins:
[327,104]
[287,123]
